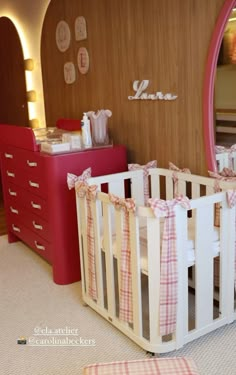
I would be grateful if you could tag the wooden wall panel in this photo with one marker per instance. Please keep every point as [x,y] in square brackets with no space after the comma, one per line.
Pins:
[164,41]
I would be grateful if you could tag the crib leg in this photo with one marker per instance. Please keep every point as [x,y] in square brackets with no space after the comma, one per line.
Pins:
[84,304]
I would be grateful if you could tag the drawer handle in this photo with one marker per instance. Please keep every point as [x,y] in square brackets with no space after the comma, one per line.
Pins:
[32,163]
[8,156]
[37,226]
[15,228]
[11,192]
[33,184]
[14,211]
[40,247]
[35,205]
[10,174]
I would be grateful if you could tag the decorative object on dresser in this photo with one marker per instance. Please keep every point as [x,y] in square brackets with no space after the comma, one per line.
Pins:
[40,210]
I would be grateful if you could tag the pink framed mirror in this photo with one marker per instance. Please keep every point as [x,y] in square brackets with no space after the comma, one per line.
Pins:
[209,79]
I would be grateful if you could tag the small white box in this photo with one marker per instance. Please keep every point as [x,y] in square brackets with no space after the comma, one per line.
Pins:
[54,148]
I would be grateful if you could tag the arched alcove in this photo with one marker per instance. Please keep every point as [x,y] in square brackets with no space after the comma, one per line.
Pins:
[13,108]
[209,79]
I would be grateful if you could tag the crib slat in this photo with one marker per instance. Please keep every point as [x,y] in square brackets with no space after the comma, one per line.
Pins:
[195,189]
[153,254]
[136,275]
[227,261]
[82,233]
[109,260]
[96,209]
[181,187]
[182,257]
[137,188]
[169,187]
[117,187]
[155,183]
[204,265]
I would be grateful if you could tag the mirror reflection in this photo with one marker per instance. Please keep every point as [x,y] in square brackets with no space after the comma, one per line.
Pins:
[225,98]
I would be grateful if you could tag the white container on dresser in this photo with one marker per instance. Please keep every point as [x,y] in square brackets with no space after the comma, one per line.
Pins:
[40,210]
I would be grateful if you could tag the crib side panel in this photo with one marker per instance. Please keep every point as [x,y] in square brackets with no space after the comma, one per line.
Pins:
[146,247]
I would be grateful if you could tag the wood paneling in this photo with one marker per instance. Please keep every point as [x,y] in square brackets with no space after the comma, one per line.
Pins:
[164,41]
[13,108]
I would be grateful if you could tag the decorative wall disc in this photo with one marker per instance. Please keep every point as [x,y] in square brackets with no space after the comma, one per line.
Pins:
[69,72]
[83,60]
[63,36]
[80,28]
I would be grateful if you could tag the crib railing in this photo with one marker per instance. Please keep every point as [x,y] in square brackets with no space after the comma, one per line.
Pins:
[226,159]
[192,322]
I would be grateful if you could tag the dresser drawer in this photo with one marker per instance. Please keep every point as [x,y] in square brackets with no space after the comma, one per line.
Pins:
[36,224]
[30,180]
[17,197]
[38,244]
[32,222]
[23,159]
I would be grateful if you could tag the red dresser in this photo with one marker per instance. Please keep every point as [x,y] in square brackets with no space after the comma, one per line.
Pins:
[40,209]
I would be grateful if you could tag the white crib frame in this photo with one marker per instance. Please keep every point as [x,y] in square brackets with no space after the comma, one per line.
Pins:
[222,160]
[203,208]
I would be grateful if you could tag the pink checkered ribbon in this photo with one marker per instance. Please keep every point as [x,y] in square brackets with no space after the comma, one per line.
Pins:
[72,178]
[126,302]
[169,274]
[175,177]
[145,168]
[83,189]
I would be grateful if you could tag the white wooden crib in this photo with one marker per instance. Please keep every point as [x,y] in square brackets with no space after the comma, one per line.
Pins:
[198,242]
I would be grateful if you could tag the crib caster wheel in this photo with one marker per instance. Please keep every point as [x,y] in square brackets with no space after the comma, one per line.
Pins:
[151,354]
[84,304]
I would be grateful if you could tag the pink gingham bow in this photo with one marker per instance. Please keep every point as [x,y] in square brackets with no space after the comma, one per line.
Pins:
[175,169]
[169,274]
[150,164]
[220,149]
[72,178]
[126,299]
[83,189]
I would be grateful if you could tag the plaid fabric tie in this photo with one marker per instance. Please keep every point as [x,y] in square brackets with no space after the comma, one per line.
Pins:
[174,176]
[126,302]
[150,164]
[72,178]
[169,274]
[83,189]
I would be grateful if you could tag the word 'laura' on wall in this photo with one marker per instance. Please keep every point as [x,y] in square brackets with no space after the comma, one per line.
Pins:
[140,94]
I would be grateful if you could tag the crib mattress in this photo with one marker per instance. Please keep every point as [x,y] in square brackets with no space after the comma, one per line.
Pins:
[215,248]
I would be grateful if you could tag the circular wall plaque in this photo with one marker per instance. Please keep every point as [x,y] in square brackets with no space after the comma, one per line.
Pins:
[83,60]
[63,36]
[69,72]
